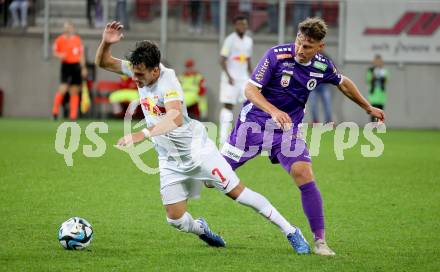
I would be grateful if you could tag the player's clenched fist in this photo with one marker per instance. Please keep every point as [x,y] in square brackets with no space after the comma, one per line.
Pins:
[282,119]
[378,113]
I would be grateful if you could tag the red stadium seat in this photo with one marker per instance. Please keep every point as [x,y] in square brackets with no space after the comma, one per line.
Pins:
[101,93]
[143,8]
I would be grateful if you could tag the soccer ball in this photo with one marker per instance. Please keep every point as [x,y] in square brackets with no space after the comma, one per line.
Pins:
[75,233]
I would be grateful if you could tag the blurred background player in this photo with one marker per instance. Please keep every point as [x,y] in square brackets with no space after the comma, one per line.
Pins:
[69,49]
[322,92]
[22,5]
[277,93]
[186,154]
[196,12]
[194,90]
[236,65]
[377,77]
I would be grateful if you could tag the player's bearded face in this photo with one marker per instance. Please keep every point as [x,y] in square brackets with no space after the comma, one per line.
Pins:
[306,48]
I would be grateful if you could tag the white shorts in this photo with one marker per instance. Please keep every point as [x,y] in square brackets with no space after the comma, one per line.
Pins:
[177,185]
[232,94]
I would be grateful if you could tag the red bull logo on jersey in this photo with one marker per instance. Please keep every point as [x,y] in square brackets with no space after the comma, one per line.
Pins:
[240,58]
[151,106]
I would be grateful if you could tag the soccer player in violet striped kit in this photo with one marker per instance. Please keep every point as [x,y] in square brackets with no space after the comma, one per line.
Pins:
[277,93]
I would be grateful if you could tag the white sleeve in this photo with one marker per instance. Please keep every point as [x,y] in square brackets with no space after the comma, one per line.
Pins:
[226,49]
[126,68]
[171,89]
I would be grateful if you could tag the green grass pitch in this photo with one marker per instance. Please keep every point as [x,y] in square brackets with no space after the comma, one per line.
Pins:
[382,214]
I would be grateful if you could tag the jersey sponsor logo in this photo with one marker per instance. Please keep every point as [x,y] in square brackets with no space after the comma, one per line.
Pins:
[171,94]
[151,107]
[311,84]
[288,64]
[232,152]
[260,74]
[312,74]
[284,56]
[319,65]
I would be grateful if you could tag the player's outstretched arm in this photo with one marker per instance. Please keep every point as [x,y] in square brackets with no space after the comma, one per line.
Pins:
[104,59]
[280,117]
[172,120]
[349,89]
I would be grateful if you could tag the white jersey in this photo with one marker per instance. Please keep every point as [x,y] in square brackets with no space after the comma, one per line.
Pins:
[237,51]
[177,149]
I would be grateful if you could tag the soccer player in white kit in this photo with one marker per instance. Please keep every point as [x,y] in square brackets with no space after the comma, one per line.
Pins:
[236,66]
[187,157]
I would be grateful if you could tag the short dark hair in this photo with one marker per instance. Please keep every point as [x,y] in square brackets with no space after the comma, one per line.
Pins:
[314,28]
[146,52]
[239,17]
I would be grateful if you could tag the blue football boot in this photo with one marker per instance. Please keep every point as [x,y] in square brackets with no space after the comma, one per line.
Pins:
[210,237]
[298,242]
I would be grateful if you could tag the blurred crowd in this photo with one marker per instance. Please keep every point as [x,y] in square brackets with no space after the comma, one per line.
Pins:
[197,14]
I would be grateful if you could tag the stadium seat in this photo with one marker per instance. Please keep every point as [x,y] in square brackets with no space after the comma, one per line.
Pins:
[143,9]
[258,19]
[101,93]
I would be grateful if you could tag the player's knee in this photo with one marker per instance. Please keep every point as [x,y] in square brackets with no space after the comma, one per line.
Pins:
[62,89]
[181,224]
[236,192]
[74,90]
[302,173]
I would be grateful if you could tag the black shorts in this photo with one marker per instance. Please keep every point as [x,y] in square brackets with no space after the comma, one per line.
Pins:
[71,73]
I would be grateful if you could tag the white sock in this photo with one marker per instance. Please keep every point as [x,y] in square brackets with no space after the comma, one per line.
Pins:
[226,117]
[186,224]
[263,206]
